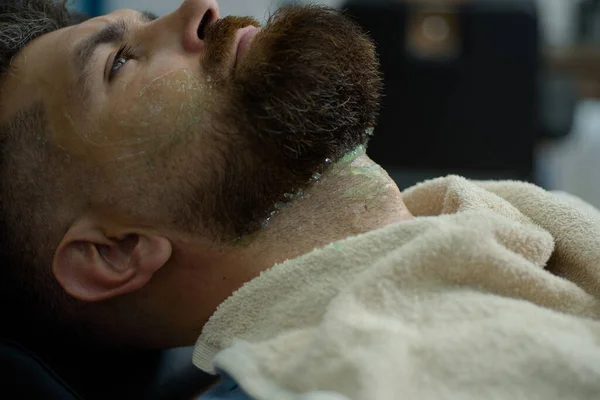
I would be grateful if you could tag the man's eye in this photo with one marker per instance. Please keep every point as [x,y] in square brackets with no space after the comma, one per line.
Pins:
[124,54]
[118,64]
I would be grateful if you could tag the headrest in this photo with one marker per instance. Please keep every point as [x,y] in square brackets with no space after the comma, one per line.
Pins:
[24,374]
[69,374]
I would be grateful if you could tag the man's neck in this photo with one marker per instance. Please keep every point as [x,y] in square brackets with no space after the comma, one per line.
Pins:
[354,196]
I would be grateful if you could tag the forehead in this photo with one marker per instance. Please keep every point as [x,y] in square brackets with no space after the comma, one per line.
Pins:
[42,71]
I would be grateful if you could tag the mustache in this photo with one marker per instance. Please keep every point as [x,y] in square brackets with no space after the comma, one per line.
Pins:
[219,38]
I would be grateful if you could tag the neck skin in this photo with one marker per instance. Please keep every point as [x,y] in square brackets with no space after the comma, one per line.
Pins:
[354,196]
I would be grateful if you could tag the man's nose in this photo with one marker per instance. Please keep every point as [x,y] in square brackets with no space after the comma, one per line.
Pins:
[195,16]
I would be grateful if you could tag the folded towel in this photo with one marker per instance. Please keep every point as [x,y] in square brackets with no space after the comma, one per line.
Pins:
[492,292]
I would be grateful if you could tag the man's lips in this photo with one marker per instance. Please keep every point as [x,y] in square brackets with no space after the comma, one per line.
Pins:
[245,39]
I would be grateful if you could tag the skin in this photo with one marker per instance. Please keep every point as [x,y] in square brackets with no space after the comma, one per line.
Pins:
[167,283]
[166,61]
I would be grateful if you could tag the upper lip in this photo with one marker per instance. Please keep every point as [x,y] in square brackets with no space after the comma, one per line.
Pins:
[242,33]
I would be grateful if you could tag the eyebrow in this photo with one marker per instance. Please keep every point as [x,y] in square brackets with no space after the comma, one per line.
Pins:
[112,33]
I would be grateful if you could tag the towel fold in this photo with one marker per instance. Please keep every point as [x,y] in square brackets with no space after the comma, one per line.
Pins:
[492,292]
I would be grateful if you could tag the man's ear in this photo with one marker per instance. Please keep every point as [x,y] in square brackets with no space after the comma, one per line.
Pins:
[91,266]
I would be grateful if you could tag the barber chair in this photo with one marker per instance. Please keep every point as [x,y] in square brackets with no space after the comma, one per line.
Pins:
[461,87]
[76,374]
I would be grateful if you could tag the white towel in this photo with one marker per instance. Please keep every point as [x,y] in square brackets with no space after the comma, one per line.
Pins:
[493,292]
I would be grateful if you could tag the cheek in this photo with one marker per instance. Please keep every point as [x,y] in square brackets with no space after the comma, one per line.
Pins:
[138,118]
[156,108]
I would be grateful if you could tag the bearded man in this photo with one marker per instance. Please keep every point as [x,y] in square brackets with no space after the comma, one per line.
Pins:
[191,179]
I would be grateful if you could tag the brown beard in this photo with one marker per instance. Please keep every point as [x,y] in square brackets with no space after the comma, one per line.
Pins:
[307,90]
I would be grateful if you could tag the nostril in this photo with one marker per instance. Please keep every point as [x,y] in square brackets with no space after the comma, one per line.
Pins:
[203,24]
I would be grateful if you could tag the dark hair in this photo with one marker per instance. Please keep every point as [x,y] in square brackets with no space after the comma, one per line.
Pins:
[24,283]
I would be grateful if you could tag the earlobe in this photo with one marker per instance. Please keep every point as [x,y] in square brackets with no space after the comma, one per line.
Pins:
[91,266]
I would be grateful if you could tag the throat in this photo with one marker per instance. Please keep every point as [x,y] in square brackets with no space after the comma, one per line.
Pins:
[354,196]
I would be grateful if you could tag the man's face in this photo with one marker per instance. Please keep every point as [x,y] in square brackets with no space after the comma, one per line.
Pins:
[195,122]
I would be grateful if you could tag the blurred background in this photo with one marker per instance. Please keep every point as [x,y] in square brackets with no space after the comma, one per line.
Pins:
[488,89]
